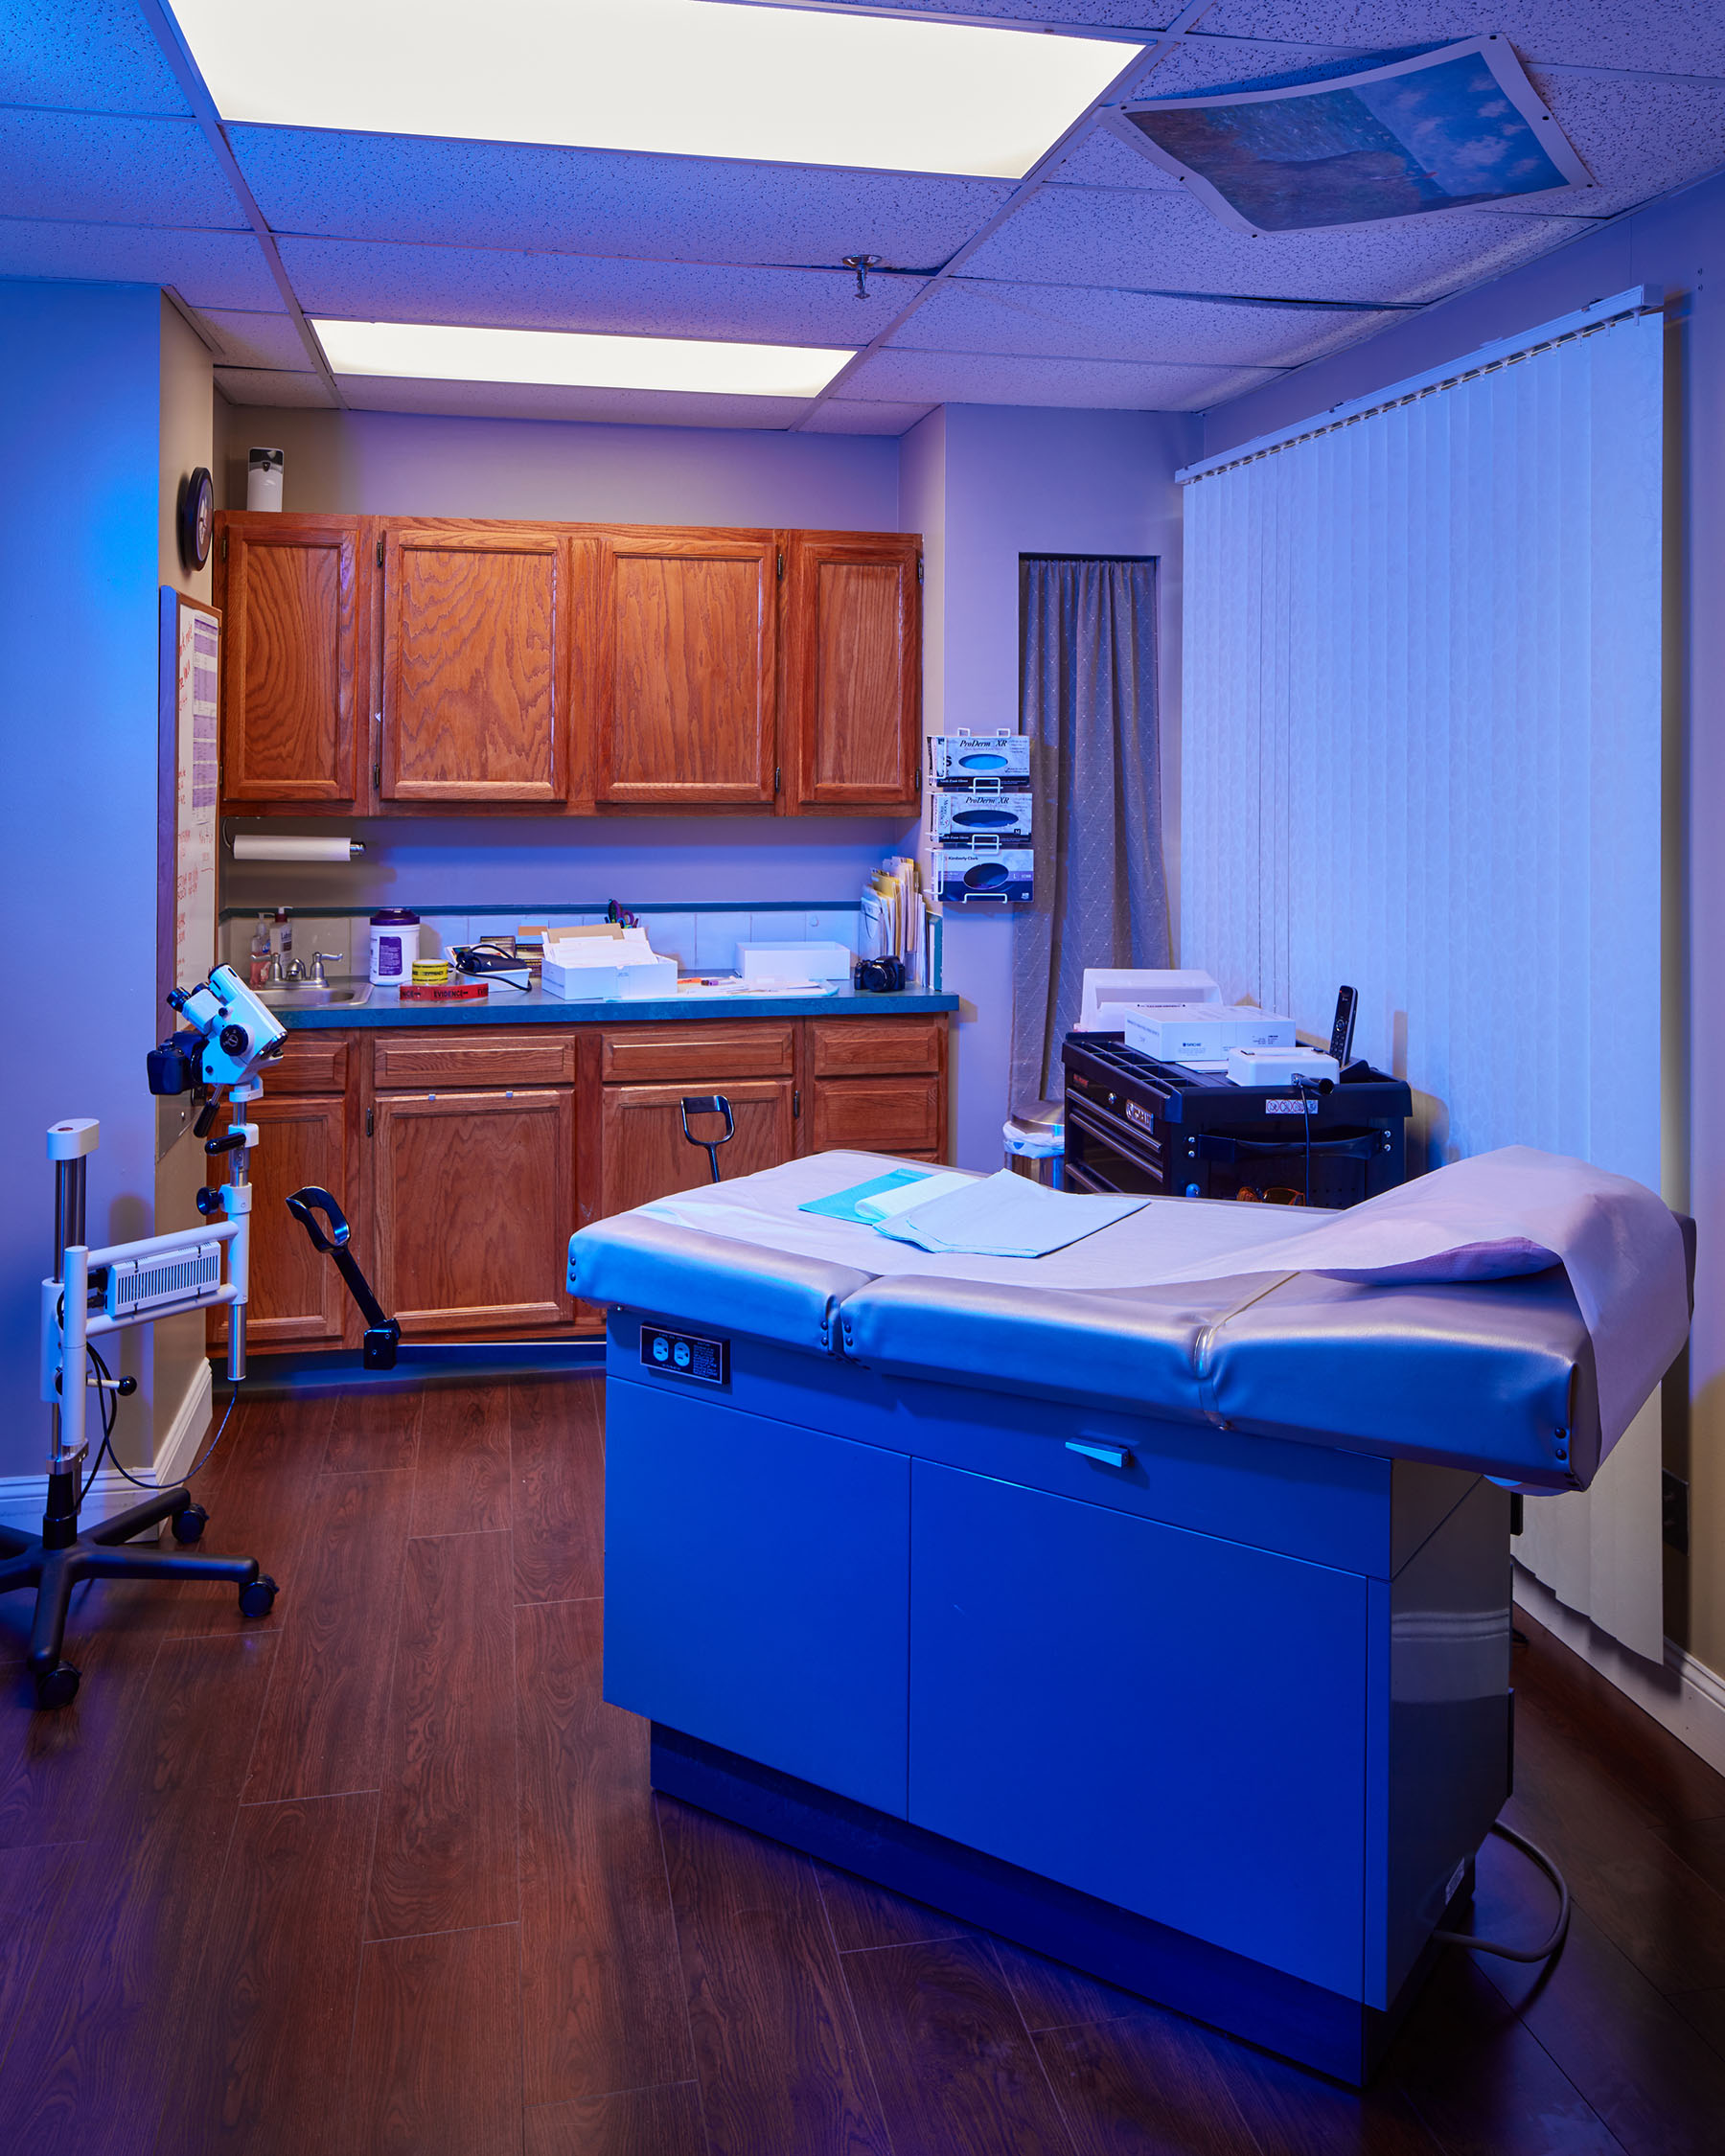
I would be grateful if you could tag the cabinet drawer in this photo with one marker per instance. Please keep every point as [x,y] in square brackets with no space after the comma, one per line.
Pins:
[524,1057]
[643,1053]
[842,1046]
[311,1063]
[878,1114]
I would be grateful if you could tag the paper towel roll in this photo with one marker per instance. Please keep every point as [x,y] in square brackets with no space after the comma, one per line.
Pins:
[287,848]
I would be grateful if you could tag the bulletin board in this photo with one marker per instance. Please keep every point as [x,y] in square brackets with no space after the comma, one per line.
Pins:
[189,787]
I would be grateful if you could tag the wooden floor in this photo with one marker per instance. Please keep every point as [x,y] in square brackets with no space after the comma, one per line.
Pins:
[383,1873]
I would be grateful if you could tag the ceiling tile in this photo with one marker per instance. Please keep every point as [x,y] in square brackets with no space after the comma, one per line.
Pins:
[205,268]
[1091,322]
[860,417]
[1637,138]
[270,385]
[1167,242]
[91,167]
[966,377]
[1103,160]
[1685,37]
[94,56]
[256,340]
[1094,14]
[468,284]
[594,202]
[534,400]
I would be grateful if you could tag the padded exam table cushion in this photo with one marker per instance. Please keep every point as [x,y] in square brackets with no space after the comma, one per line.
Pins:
[1497,1377]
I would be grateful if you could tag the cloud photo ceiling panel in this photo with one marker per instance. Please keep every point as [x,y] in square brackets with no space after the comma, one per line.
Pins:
[611,296]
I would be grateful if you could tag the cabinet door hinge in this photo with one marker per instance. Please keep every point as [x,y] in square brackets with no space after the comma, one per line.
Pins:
[919,564]
[368,1122]
[781,563]
[796,1103]
[224,547]
[778,778]
[379,553]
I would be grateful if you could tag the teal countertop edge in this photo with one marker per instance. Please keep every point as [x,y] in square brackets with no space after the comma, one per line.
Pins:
[503,1007]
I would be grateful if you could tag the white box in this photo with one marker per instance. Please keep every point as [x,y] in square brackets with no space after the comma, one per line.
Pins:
[1178,1032]
[647,978]
[794,961]
[1282,1066]
[1109,989]
[588,966]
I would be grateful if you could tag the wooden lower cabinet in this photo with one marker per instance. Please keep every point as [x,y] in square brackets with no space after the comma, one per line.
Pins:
[473,1198]
[645,1156]
[297,1298]
[466,1158]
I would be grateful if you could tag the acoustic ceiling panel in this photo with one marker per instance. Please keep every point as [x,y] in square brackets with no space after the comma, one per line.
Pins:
[859,416]
[91,166]
[84,56]
[968,378]
[205,268]
[592,202]
[273,386]
[1637,138]
[1083,236]
[1092,321]
[1103,160]
[1683,37]
[618,297]
[256,340]
[531,400]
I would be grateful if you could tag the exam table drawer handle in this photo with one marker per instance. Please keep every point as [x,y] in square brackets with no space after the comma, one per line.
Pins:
[1093,1447]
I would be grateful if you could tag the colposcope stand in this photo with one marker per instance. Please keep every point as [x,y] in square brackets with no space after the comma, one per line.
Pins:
[174,1272]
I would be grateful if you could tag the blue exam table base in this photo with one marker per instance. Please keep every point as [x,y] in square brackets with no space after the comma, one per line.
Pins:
[1331,2034]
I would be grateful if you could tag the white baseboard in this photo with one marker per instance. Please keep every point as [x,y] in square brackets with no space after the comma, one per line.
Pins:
[1683,1695]
[22,1496]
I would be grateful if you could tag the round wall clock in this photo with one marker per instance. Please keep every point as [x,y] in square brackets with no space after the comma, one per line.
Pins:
[196,518]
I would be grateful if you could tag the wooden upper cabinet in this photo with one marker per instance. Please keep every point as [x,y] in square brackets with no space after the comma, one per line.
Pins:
[295,663]
[478,631]
[853,668]
[686,696]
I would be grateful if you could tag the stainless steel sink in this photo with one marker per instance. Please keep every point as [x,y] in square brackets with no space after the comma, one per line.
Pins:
[315,996]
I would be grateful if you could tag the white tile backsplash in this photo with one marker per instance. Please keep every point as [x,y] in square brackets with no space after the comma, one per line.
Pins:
[672,937]
[833,928]
[716,941]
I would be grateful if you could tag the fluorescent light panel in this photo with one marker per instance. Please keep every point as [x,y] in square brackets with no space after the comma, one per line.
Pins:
[442,352]
[690,77]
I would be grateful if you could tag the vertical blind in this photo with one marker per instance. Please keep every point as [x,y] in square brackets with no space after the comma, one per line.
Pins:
[1421,753]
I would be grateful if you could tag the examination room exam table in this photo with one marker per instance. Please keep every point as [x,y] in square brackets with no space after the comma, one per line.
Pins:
[1162,1625]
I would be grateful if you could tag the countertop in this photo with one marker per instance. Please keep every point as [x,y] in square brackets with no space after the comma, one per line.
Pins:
[508,1006]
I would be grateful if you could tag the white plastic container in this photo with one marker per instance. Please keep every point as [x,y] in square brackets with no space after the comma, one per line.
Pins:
[394,941]
[794,961]
[264,474]
[1176,1032]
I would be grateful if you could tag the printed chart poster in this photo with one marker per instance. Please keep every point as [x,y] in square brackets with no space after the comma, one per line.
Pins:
[196,673]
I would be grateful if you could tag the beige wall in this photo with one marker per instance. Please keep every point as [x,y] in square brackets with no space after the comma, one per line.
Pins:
[187,440]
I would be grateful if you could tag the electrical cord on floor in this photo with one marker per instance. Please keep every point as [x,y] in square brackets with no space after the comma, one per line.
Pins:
[1549,1945]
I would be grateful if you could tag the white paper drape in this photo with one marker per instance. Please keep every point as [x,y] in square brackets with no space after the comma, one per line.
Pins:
[1421,753]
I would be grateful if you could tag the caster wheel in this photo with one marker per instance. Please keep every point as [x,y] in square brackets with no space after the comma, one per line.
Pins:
[259,1598]
[189,1525]
[59,1687]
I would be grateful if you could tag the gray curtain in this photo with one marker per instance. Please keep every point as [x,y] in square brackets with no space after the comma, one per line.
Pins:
[1088,702]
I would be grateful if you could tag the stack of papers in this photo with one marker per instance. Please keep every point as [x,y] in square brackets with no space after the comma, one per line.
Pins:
[592,965]
[948,1214]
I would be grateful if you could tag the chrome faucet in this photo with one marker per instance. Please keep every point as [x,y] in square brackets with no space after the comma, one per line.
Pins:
[317,976]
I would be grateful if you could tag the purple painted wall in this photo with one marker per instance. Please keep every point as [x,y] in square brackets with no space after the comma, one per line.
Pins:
[1675,244]
[80,422]
[985,484]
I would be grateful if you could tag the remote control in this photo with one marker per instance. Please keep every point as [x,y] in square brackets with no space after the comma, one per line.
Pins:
[1341,1033]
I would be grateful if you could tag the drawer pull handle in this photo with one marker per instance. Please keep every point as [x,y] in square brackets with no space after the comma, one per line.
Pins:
[1092,1448]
